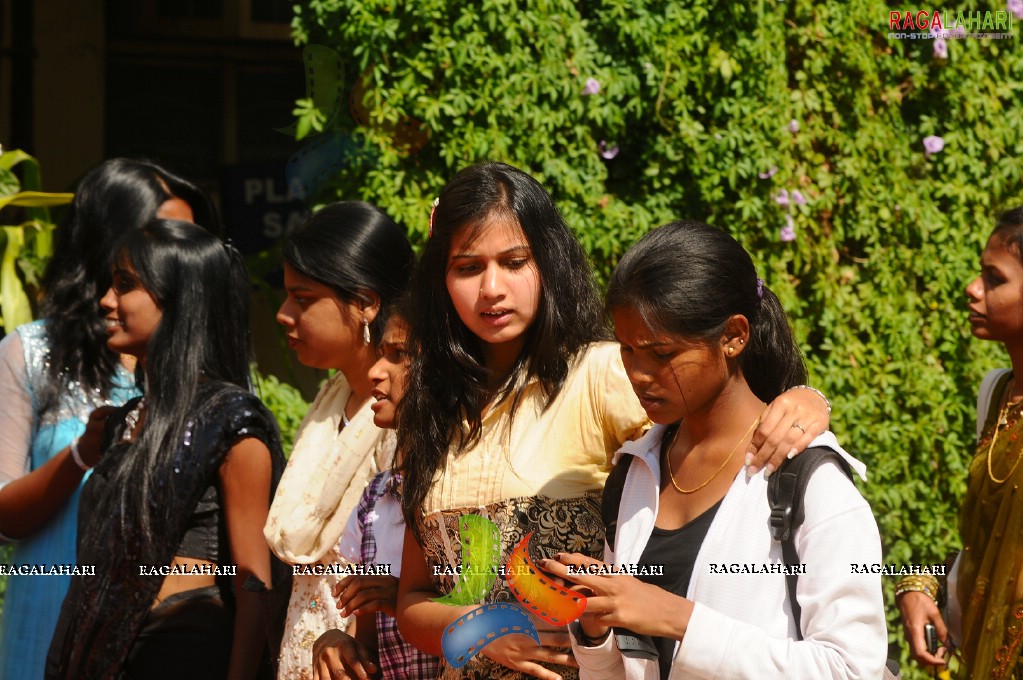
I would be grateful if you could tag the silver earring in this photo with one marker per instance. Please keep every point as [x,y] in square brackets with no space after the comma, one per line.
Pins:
[366,337]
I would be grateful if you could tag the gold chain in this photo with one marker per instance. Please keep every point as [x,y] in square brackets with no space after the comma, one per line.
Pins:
[731,453]
[1003,419]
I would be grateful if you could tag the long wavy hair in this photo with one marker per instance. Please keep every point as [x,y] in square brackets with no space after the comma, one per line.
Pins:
[448,379]
[687,278]
[202,290]
[351,247]
[118,196]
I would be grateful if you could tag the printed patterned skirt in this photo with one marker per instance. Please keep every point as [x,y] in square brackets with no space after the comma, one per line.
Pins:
[559,525]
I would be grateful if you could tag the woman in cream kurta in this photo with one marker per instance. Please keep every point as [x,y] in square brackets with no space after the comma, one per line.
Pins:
[541,471]
[326,475]
[343,269]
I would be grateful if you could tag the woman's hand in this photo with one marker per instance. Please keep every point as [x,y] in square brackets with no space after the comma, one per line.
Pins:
[787,426]
[918,610]
[29,502]
[520,653]
[621,600]
[339,656]
[90,444]
[366,594]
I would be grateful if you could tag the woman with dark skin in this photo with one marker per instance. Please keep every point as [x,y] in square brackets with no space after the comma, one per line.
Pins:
[53,373]
[172,515]
[706,346]
[374,535]
[984,599]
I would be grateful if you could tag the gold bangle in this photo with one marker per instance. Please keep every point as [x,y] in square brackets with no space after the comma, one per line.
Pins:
[918,583]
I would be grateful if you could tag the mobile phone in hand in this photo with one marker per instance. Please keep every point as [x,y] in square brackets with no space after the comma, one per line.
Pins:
[931,638]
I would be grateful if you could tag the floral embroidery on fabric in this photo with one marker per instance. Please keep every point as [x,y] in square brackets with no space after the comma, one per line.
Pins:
[560,525]
[1007,655]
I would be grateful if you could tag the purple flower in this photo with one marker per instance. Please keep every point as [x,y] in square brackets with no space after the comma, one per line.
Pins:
[933,145]
[788,232]
[1016,7]
[794,124]
[940,48]
[782,198]
[797,197]
[774,168]
[592,86]
[608,152]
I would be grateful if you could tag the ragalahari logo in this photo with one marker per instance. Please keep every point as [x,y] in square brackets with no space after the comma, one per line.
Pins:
[956,24]
[535,592]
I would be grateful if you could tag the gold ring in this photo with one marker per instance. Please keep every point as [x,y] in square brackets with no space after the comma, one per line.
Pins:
[799,427]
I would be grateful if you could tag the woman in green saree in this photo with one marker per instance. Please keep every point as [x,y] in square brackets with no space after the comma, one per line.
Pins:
[984,612]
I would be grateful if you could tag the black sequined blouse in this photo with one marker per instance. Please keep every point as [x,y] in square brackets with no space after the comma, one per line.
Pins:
[103,613]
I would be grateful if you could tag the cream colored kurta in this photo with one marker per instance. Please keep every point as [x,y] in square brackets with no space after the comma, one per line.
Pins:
[325,477]
[540,470]
[562,452]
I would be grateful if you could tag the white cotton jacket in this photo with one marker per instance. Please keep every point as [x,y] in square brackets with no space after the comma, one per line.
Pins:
[742,625]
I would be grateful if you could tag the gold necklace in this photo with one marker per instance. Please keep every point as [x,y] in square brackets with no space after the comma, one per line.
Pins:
[731,453]
[1003,419]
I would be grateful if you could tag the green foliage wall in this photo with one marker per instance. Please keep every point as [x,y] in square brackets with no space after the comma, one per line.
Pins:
[715,108]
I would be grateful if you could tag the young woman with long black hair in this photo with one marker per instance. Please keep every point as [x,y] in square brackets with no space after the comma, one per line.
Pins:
[343,269]
[706,346]
[514,405]
[53,373]
[172,516]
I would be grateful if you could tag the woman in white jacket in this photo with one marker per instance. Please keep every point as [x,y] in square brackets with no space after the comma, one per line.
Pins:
[706,345]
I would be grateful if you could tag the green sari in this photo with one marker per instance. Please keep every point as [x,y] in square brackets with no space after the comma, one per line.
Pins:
[990,580]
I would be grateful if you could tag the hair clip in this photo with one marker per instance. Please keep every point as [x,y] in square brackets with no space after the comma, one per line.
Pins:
[433,211]
[760,288]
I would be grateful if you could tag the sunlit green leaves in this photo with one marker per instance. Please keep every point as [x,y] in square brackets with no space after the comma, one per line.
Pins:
[698,97]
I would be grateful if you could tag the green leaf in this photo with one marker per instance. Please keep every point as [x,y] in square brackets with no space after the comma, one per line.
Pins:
[14,304]
[9,184]
[35,199]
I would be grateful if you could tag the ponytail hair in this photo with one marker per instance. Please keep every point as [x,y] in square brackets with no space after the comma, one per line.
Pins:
[352,247]
[687,278]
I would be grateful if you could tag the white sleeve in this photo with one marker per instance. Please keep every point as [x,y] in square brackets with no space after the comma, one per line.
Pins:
[843,623]
[603,662]
[350,545]
[16,415]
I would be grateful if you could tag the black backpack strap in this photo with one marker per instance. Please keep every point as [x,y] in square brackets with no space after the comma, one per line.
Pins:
[611,500]
[629,643]
[785,491]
